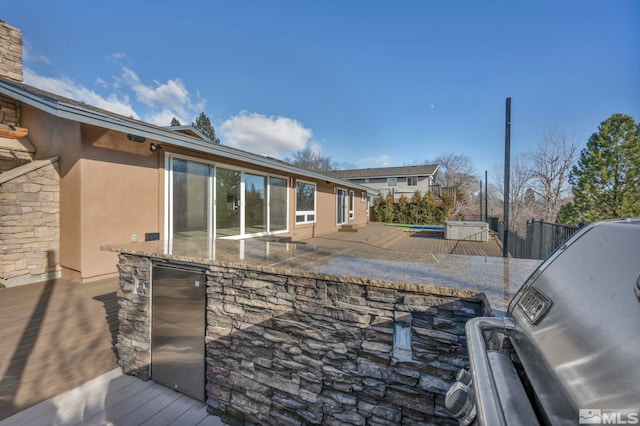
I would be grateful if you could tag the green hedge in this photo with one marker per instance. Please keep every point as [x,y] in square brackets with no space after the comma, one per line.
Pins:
[419,210]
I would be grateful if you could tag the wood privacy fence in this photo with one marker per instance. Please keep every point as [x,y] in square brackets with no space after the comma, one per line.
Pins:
[542,238]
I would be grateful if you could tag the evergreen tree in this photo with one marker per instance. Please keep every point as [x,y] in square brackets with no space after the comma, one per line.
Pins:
[389,208]
[402,209]
[175,122]
[568,215]
[203,124]
[415,211]
[606,180]
[378,210]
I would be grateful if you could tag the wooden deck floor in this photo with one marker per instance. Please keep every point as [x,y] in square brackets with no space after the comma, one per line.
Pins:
[377,236]
[54,336]
[116,399]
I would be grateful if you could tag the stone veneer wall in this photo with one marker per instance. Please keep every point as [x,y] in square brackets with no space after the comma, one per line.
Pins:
[10,115]
[10,159]
[294,348]
[9,111]
[10,52]
[134,316]
[29,220]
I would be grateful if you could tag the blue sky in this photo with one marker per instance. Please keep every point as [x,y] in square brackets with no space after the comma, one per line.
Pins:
[371,83]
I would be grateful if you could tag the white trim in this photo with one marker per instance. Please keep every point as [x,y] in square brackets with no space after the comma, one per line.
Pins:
[352,204]
[168,201]
[345,209]
[212,197]
[306,213]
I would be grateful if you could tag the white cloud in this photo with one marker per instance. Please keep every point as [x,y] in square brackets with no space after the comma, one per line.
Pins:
[265,135]
[70,89]
[315,148]
[29,56]
[382,160]
[169,93]
[159,102]
[116,57]
[166,100]
[163,118]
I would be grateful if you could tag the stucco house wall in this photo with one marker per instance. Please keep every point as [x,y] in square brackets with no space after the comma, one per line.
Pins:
[113,189]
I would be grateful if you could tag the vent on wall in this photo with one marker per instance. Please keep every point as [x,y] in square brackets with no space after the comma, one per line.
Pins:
[402,341]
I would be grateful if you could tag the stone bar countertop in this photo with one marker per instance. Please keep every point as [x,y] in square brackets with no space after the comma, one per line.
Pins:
[498,278]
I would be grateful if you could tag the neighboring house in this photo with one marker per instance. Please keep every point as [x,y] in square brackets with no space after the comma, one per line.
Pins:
[85,177]
[397,180]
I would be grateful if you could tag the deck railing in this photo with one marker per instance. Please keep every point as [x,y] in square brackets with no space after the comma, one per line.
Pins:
[541,240]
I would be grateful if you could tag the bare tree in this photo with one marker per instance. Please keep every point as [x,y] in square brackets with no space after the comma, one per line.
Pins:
[457,171]
[521,199]
[311,160]
[549,166]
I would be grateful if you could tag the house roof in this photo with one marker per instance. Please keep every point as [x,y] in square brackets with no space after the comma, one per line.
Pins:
[189,130]
[384,172]
[79,111]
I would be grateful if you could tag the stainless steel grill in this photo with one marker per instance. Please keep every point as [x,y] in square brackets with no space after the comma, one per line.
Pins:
[569,345]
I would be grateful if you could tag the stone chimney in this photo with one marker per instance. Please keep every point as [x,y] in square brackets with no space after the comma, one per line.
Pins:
[10,52]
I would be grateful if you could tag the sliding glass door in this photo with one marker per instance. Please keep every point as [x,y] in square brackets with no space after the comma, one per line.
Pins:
[341,206]
[278,206]
[190,211]
[228,217]
[255,204]
[246,203]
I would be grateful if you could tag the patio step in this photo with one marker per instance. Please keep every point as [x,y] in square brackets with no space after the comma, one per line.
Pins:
[350,228]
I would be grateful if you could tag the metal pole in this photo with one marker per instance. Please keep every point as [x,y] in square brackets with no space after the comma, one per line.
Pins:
[507,166]
[486,198]
[480,200]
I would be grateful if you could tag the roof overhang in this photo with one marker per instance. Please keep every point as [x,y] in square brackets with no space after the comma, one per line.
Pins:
[96,117]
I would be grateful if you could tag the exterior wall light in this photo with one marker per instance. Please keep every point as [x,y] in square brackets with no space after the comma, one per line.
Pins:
[154,147]
[136,138]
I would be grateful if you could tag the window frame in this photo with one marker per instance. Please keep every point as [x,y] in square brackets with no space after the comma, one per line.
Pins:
[212,194]
[392,182]
[413,179]
[306,213]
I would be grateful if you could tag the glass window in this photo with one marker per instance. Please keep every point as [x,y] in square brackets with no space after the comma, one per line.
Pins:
[277,204]
[412,181]
[305,202]
[190,193]
[392,181]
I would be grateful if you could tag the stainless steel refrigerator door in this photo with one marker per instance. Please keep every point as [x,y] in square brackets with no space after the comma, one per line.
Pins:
[177,329]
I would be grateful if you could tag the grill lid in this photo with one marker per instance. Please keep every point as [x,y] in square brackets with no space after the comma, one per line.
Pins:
[577,318]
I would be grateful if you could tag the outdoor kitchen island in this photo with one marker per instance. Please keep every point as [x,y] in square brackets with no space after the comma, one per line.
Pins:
[277,333]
